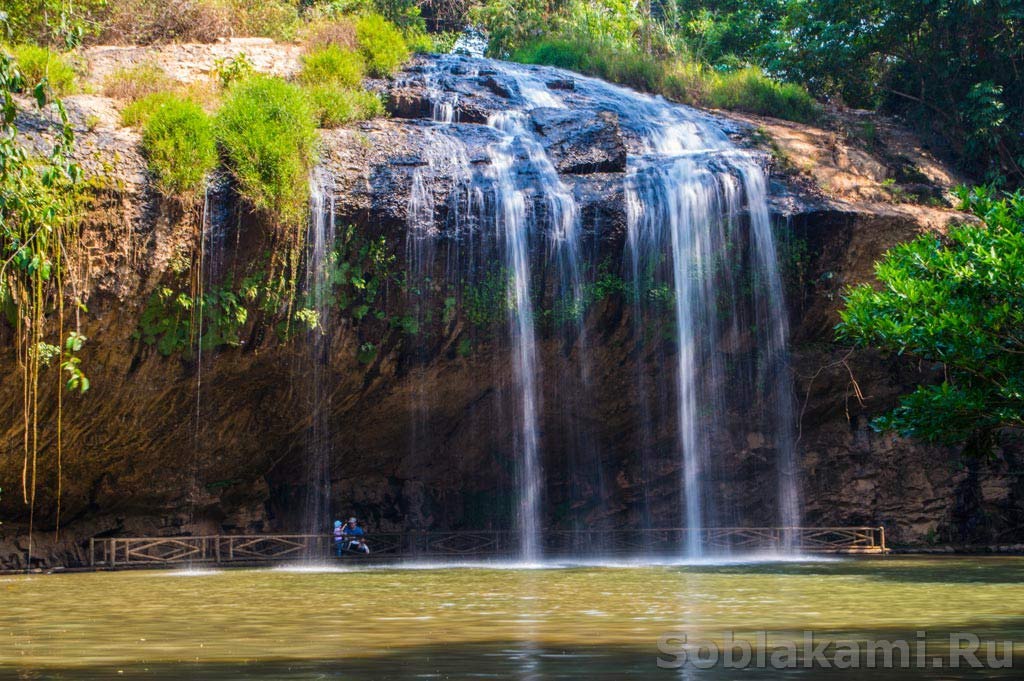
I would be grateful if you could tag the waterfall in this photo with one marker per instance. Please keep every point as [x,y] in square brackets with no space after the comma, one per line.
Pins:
[700,261]
[319,256]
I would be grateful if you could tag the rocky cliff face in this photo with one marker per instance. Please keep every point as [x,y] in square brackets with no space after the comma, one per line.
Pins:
[179,434]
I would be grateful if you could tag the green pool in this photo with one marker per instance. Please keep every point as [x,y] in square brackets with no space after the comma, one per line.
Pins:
[572,622]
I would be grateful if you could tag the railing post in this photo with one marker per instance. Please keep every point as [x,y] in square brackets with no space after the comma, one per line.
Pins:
[92,552]
[113,552]
[881,536]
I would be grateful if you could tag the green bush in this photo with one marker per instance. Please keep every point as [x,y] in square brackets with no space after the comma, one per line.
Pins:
[751,90]
[954,301]
[381,44]
[37,63]
[332,66]
[179,142]
[564,54]
[141,110]
[337,106]
[676,78]
[633,69]
[39,21]
[267,131]
[136,82]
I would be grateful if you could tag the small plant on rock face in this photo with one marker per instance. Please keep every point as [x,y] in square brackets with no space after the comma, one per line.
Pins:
[233,69]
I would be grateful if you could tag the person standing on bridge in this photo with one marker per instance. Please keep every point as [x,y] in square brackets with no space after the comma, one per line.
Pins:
[339,538]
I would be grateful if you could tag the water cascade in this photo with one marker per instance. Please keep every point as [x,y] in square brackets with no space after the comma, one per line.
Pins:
[320,254]
[699,261]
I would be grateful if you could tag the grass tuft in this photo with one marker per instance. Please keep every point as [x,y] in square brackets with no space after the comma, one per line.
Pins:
[136,82]
[751,90]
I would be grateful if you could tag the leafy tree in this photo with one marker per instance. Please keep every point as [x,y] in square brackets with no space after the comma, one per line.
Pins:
[956,300]
[50,22]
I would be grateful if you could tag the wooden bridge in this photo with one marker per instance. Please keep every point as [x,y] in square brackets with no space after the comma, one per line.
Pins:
[230,549]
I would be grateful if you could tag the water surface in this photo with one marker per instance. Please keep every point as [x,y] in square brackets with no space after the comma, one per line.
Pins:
[571,622]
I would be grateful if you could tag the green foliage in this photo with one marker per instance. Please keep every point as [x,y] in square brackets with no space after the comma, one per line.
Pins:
[486,302]
[332,65]
[50,22]
[956,301]
[381,45]
[334,106]
[72,364]
[38,228]
[180,146]
[675,77]
[169,320]
[42,64]
[267,130]
[141,110]
[751,90]
[945,65]
[230,70]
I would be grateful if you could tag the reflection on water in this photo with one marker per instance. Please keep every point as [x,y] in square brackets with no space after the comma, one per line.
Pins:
[579,622]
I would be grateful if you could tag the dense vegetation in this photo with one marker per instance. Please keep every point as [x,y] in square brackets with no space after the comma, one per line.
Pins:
[957,301]
[951,68]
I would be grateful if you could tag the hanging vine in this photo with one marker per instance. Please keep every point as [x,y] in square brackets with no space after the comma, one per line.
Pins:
[38,230]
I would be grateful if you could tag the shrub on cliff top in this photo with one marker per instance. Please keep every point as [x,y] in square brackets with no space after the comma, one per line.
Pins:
[953,300]
[37,63]
[332,66]
[267,131]
[336,106]
[751,90]
[325,33]
[677,78]
[381,44]
[179,143]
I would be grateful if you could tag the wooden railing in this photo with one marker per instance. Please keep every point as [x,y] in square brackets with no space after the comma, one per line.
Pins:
[226,549]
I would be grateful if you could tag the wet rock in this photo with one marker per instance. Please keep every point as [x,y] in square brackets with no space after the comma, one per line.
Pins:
[500,88]
[561,84]
[581,142]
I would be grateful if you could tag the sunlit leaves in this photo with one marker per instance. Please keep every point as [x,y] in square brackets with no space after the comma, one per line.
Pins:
[957,300]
